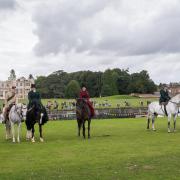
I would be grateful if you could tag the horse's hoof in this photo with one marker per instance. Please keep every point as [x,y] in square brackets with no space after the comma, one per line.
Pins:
[154,129]
[169,131]
[33,140]
[41,140]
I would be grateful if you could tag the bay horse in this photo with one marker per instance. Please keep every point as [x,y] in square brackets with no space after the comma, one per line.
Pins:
[83,114]
[35,115]
[155,109]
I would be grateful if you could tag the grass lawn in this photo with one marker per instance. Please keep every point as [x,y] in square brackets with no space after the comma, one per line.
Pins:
[119,149]
[113,100]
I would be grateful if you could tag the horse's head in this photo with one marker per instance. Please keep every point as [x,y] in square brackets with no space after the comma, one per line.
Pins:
[18,108]
[82,109]
[24,110]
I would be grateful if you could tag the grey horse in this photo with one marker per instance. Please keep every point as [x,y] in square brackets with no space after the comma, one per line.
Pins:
[15,117]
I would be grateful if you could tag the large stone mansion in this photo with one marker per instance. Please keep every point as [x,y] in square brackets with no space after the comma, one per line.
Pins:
[23,86]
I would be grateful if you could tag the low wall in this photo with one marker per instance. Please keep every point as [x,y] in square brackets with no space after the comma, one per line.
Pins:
[109,113]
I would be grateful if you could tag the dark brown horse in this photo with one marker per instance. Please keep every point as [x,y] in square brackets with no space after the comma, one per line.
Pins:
[83,114]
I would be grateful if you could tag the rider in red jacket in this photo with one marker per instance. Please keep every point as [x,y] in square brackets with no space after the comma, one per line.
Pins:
[84,94]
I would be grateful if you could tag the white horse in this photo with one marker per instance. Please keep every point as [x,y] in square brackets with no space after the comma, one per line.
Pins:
[15,117]
[155,109]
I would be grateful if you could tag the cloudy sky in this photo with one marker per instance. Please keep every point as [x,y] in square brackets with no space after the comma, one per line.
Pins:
[42,36]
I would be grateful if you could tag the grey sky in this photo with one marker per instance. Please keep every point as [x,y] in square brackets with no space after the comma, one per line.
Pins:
[7,4]
[42,36]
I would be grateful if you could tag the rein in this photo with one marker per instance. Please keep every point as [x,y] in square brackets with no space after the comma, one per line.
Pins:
[30,109]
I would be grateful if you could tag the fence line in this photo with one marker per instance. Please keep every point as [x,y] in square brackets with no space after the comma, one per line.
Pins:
[108,113]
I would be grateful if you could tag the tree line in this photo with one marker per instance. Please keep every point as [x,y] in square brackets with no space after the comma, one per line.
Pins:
[61,84]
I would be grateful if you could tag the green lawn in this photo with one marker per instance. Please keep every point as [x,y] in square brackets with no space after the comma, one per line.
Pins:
[113,100]
[119,149]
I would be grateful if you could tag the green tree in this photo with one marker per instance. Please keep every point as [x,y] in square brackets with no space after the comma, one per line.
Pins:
[123,80]
[42,86]
[141,83]
[109,83]
[72,89]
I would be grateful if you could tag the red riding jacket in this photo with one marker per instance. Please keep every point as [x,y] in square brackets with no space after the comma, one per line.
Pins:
[85,94]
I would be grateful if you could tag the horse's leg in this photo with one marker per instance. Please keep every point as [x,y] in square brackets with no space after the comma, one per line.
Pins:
[169,124]
[13,132]
[84,133]
[8,129]
[153,121]
[40,132]
[148,121]
[33,140]
[19,129]
[79,127]
[89,128]
[175,116]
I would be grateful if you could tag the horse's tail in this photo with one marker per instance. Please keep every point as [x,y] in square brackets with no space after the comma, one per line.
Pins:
[45,117]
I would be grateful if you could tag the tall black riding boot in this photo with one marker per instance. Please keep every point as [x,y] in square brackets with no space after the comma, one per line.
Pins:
[165,110]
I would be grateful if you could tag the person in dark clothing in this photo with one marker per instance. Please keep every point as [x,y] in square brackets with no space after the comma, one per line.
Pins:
[164,98]
[34,99]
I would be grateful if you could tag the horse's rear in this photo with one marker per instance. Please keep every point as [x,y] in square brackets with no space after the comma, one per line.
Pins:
[83,114]
[153,110]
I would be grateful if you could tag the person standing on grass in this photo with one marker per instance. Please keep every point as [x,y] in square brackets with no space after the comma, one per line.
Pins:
[84,94]
[56,105]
